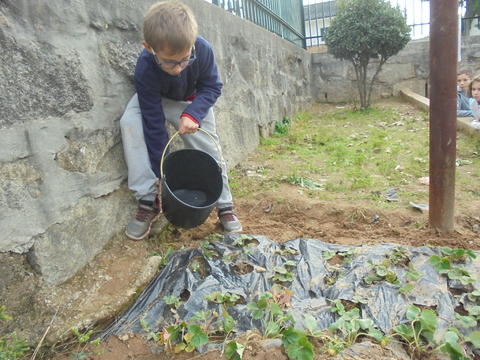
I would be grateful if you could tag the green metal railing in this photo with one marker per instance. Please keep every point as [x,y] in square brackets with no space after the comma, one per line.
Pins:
[283,17]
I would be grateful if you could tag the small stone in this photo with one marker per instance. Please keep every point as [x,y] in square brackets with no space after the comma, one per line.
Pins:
[75,296]
[476,227]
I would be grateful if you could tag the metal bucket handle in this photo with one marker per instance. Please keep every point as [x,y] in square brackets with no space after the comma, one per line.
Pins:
[168,144]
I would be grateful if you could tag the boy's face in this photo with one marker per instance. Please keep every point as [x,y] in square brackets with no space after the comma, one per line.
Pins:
[182,58]
[462,81]
[476,90]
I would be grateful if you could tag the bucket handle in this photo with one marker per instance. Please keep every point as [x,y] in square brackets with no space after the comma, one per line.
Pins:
[169,141]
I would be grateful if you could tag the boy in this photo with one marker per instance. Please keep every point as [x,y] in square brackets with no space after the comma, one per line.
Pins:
[176,80]
[464,76]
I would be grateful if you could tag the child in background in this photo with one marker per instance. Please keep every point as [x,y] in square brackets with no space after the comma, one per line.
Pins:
[176,80]
[464,76]
[474,93]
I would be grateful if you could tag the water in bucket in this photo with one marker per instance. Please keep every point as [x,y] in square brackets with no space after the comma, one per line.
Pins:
[195,198]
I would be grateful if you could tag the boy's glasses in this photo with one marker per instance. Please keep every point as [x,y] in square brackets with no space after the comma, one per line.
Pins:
[171,64]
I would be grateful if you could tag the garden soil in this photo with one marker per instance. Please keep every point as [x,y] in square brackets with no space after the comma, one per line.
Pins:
[285,214]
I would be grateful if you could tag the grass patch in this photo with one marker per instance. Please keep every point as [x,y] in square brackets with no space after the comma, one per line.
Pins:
[355,154]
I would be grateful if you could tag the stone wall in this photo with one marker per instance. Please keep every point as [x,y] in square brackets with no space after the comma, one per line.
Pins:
[335,80]
[66,78]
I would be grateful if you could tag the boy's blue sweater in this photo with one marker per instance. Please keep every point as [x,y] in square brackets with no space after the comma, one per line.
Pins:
[463,106]
[200,80]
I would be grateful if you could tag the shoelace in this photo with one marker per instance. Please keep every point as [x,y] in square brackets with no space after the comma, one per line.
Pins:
[229,216]
[142,214]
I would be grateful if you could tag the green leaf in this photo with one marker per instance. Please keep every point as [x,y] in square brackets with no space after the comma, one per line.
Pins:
[310,323]
[474,338]
[403,330]
[406,289]
[428,319]
[258,314]
[275,309]
[289,335]
[228,324]
[280,270]
[252,306]
[375,333]
[301,350]
[194,329]
[450,336]
[412,312]
[466,321]
[199,339]
[234,349]
[272,329]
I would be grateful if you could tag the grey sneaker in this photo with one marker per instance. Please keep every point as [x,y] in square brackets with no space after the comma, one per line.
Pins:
[229,220]
[138,228]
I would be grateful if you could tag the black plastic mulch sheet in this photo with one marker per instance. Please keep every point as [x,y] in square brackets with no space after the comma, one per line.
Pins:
[386,306]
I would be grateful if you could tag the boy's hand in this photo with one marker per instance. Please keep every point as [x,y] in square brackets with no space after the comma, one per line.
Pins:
[187,126]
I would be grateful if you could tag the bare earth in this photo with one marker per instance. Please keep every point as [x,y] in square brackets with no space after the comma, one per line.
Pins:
[283,214]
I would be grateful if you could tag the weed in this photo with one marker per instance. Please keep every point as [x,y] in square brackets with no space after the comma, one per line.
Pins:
[82,341]
[281,127]
[11,346]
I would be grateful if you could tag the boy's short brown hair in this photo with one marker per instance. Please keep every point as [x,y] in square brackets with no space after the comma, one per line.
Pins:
[465,71]
[170,26]
[476,78]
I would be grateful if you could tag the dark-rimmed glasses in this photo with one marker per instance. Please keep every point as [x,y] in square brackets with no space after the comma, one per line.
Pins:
[171,64]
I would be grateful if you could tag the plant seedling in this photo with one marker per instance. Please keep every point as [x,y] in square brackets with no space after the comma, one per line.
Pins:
[458,255]
[245,242]
[350,325]
[173,301]
[336,273]
[348,255]
[268,308]
[381,272]
[227,298]
[423,324]
[283,273]
[474,295]
[328,254]
[208,250]
[453,343]
[286,252]
[398,255]
[443,266]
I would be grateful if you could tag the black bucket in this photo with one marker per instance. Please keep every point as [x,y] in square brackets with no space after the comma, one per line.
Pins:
[192,184]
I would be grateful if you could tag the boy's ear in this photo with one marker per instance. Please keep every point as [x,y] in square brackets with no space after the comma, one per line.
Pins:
[148,47]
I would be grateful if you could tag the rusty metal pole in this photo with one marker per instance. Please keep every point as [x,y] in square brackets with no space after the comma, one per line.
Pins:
[443,112]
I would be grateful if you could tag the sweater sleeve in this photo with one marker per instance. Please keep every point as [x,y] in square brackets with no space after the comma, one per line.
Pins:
[154,128]
[208,85]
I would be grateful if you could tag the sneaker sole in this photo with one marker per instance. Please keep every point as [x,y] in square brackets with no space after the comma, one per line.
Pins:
[234,231]
[145,234]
